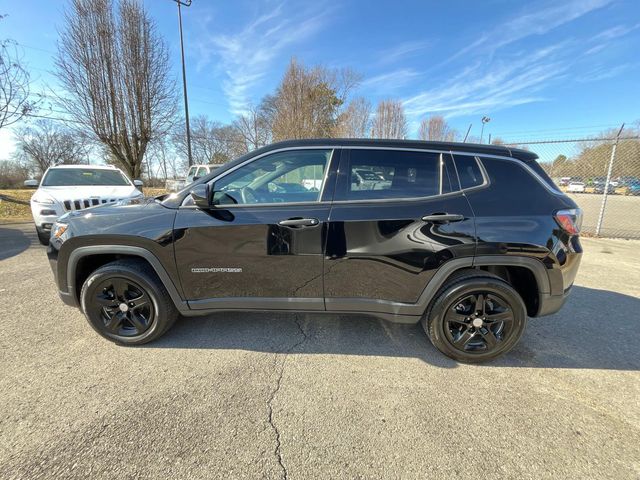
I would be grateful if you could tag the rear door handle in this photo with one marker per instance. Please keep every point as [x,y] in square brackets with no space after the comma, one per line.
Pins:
[299,222]
[443,218]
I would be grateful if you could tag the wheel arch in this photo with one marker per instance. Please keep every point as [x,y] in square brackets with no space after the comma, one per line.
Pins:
[85,260]
[526,275]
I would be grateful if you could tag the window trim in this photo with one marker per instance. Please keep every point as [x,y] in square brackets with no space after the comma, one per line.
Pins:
[334,149]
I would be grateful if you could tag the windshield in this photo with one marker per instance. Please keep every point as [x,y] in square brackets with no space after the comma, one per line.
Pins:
[60,177]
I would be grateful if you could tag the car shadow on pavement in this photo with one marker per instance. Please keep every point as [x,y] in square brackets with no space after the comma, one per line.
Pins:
[597,329]
[14,241]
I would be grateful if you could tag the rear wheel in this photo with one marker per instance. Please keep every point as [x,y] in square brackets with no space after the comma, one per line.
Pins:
[126,303]
[475,317]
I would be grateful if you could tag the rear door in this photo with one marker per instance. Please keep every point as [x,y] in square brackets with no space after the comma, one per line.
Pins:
[397,216]
[260,245]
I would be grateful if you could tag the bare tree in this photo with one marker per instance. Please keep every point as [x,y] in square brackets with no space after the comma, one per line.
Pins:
[436,128]
[254,128]
[308,101]
[14,85]
[390,120]
[115,69]
[355,120]
[211,142]
[45,144]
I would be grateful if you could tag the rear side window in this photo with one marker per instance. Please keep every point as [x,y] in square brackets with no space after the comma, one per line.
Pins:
[468,171]
[385,174]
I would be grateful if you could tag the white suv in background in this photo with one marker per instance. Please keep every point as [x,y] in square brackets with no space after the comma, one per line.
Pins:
[74,187]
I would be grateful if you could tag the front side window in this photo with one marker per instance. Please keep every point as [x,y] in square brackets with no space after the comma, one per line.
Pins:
[385,174]
[62,177]
[284,177]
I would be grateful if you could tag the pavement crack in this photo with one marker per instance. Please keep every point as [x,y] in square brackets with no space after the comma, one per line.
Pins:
[272,423]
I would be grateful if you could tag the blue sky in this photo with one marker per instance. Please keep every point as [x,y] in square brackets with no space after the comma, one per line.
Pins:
[539,69]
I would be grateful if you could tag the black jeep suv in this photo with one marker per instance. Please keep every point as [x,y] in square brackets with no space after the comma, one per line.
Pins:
[467,239]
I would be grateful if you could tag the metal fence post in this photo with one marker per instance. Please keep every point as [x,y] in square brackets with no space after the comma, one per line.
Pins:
[607,182]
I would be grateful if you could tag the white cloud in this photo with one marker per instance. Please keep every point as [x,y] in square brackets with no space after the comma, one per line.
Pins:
[537,21]
[615,32]
[484,87]
[247,55]
[390,81]
[401,51]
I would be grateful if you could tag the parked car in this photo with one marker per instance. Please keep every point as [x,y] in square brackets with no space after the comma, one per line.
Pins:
[599,183]
[631,187]
[67,188]
[195,172]
[576,187]
[467,239]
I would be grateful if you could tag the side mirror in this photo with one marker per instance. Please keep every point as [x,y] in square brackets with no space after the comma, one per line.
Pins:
[31,183]
[200,195]
[195,178]
[138,183]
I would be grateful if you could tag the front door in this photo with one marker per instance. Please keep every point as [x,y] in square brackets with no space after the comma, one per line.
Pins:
[261,243]
[397,216]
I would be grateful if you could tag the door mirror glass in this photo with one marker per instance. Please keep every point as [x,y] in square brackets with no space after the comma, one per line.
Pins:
[31,183]
[200,195]
[138,183]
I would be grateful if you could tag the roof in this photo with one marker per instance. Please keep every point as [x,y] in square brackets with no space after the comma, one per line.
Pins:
[91,167]
[419,144]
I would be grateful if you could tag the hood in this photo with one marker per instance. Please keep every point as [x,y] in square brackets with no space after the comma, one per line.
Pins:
[123,207]
[90,191]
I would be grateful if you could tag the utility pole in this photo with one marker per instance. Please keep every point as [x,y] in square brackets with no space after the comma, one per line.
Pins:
[186,3]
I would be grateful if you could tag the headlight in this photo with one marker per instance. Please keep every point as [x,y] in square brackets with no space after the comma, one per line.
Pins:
[58,229]
[43,199]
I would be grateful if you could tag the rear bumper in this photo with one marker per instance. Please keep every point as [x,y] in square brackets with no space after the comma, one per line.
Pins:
[550,304]
[561,277]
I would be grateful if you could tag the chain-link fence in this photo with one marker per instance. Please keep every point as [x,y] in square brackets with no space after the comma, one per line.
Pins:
[603,177]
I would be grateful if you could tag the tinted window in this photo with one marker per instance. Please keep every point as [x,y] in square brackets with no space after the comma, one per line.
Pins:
[381,174]
[284,177]
[60,177]
[468,171]
[535,166]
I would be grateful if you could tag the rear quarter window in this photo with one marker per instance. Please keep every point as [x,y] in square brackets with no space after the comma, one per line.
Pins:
[469,171]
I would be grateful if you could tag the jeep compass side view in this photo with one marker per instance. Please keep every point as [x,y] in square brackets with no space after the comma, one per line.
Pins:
[469,240]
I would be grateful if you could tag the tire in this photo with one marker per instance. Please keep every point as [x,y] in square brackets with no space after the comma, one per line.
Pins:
[125,302]
[43,236]
[454,328]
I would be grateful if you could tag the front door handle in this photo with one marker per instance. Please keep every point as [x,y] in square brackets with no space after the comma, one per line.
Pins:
[299,222]
[443,218]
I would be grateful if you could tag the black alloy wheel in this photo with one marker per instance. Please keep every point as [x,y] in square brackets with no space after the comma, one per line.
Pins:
[126,309]
[478,322]
[126,302]
[475,317]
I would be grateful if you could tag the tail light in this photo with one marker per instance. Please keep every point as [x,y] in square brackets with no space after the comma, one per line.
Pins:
[570,220]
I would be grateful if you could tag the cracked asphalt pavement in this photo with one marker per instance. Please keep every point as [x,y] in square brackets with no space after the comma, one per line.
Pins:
[238,395]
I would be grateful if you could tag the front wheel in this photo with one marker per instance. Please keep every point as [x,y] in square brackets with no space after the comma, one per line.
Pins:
[475,318]
[125,302]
